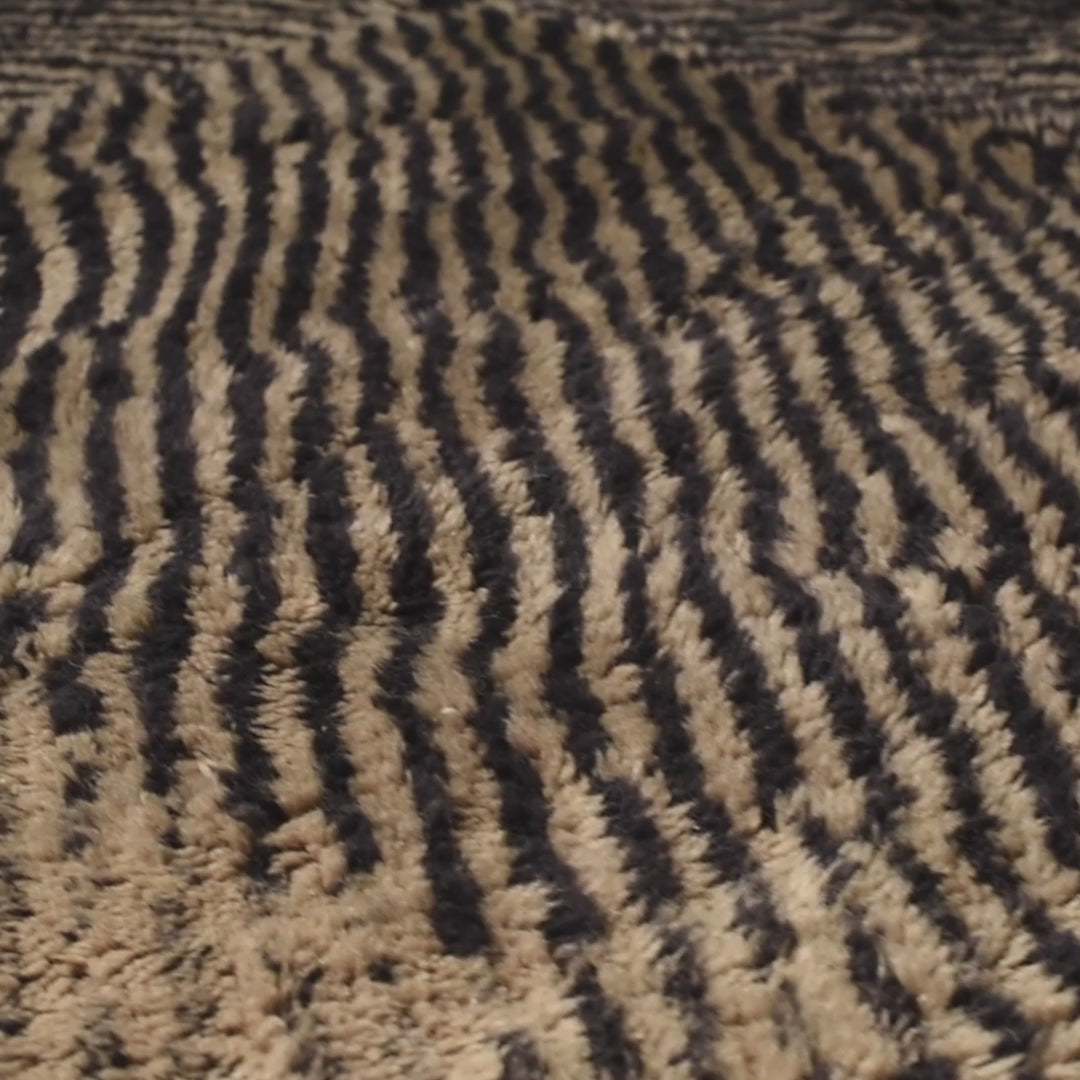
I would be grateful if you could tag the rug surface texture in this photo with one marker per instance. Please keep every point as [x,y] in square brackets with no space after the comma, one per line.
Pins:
[539,540]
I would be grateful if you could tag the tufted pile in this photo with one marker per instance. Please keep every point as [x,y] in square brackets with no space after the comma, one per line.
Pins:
[539,540]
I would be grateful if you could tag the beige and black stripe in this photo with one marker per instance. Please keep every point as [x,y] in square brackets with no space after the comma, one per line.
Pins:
[539,543]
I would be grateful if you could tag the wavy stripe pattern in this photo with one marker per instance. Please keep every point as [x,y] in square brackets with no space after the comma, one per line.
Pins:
[539,544]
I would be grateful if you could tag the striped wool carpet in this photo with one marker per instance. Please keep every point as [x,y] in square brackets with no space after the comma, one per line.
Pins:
[539,540]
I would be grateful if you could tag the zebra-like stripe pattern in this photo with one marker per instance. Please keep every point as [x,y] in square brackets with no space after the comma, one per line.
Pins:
[960,55]
[531,552]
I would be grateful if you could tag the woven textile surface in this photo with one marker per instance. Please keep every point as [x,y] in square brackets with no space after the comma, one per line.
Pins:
[539,540]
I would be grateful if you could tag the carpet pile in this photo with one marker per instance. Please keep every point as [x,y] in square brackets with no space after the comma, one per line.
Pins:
[539,540]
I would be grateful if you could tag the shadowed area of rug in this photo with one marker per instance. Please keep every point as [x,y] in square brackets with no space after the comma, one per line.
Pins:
[539,541]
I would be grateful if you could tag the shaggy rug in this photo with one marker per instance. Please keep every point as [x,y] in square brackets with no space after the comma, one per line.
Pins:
[539,540]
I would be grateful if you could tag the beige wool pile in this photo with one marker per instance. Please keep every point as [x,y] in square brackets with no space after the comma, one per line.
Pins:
[539,541]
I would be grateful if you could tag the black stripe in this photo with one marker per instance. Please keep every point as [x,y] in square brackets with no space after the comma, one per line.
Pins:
[664,268]
[565,689]
[774,747]
[926,891]
[20,614]
[935,711]
[1047,763]
[20,284]
[303,254]
[647,857]
[525,810]
[163,647]
[417,40]
[688,984]
[156,231]
[625,812]
[320,650]
[400,91]
[250,784]
[80,220]
[681,767]
[818,654]
[457,914]
[685,775]
[520,1060]
[611,1051]
[15,913]
[1054,614]
[34,403]
[997,1014]
[884,453]
[1058,950]
[29,461]
[896,1008]
[584,387]
[610,1045]
[73,705]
